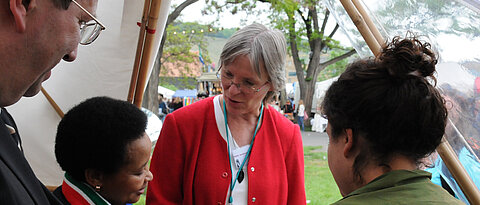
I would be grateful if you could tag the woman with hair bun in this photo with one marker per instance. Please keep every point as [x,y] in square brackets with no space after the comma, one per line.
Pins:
[384,116]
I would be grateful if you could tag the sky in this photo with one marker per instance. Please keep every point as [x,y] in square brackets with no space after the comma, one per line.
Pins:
[450,44]
[193,13]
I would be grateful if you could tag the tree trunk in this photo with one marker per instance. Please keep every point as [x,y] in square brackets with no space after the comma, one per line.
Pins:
[310,85]
[150,97]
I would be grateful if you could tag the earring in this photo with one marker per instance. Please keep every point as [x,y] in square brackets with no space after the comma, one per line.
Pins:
[97,188]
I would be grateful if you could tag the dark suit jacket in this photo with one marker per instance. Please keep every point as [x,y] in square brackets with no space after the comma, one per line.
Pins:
[18,183]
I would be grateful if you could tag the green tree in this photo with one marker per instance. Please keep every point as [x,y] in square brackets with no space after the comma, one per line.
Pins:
[182,39]
[305,31]
[150,97]
[223,33]
[335,69]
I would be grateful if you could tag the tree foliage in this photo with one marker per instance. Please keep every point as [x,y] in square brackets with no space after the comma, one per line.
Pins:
[150,99]
[335,69]
[305,26]
[182,40]
[222,33]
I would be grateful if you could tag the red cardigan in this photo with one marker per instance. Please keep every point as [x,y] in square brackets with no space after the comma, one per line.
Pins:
[190,161]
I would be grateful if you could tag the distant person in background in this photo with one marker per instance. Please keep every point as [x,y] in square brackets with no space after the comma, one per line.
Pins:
[301,114]
[288,110]
[177,103]
[102,146]
[231,149]
[170,105]
[201,96]
[319,123]
[384,117]
[163,109]
[274,105]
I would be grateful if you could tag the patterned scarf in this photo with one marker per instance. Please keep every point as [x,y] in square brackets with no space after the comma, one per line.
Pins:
[80,193]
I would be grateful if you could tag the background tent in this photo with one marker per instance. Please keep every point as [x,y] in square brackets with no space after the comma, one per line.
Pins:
[167,93]
[452,29]
[103,68]
[320,90]
[185,93]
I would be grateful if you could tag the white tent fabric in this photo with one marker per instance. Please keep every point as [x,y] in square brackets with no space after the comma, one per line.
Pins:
[102,69]
[320,90]
[167,93]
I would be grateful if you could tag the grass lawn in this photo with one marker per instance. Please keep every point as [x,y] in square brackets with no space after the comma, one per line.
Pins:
[141,201]
[319,183]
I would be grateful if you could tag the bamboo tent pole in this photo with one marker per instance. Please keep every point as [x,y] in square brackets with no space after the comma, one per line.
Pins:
[458,172]
[138,55]
[362,26]
[151,27]
[369,22]
[52,103]
[445,150]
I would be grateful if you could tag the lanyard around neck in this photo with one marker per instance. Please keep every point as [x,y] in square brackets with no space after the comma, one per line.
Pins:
[234,181]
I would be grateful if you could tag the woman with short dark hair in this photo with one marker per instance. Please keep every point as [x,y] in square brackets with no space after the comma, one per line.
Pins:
[384,116]
[102,146]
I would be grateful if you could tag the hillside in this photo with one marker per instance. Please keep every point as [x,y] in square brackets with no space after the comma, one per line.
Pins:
[215,46]
[180,69]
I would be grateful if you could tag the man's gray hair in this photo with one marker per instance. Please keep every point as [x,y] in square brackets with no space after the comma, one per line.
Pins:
[262,46]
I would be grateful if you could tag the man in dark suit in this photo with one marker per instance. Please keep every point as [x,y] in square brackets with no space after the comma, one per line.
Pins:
[34,36]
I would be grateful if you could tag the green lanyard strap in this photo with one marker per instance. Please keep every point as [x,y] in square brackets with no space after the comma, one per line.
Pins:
[234,181]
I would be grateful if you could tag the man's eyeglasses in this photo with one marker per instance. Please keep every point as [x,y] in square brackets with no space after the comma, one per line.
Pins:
[90,30]
[244,87]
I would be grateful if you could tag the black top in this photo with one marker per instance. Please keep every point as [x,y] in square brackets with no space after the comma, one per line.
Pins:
[59,194]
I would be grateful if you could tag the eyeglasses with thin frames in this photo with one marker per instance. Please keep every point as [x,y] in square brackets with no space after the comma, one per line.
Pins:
[243,87]
[89,31]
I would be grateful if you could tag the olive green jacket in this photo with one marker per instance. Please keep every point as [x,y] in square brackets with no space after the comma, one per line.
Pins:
[400,187]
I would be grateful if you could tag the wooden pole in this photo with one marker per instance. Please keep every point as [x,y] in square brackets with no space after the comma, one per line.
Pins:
[369,23]
[138,55]
[145,61]
[458,172]
[52,103]
[370,33]
[362,26]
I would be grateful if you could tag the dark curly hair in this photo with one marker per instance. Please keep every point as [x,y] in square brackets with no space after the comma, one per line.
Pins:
[95,134]
[390,102]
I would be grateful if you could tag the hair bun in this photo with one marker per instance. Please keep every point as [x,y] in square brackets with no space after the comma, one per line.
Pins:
[408,57]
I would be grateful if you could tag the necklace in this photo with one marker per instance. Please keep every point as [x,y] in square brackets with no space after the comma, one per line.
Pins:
[240,174]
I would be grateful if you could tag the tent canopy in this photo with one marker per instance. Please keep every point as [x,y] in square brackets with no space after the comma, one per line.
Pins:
[167,93]
[185,93]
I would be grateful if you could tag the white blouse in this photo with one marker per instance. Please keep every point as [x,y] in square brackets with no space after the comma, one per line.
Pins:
[240,192]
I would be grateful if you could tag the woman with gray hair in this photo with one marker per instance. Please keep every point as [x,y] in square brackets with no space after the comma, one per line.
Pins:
[233,148]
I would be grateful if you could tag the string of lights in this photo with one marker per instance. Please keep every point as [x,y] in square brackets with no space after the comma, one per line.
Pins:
[193,31]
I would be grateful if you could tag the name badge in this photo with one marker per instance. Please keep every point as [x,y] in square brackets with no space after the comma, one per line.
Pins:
[239,155]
